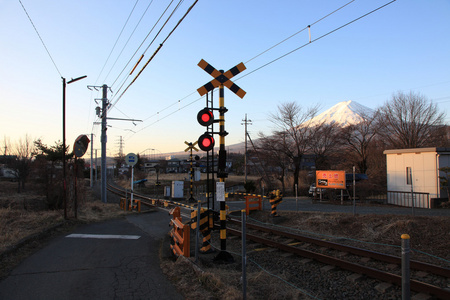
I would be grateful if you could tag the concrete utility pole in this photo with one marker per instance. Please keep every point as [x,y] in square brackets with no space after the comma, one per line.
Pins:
[103,139]
[246,122]
[91,170]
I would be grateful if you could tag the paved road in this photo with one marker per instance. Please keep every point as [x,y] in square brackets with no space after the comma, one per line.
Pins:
[117,259]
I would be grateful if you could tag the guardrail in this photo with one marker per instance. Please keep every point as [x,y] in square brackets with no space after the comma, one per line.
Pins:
[125,204]
[180,234]
[252,204]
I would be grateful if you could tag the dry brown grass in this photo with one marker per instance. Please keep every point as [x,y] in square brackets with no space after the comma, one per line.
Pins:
[22,215]
[17,224]
[194,283]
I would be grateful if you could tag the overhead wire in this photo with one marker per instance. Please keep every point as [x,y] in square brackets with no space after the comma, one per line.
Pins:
[291,36]
[270,48]
[42,41]
[156,51]
[125,79]
[126,43]
[151,30]
[315,40]
[117,40]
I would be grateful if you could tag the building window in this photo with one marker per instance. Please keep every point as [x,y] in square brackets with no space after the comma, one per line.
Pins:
[408,175]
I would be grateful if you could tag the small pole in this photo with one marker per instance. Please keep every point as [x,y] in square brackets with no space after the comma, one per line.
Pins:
[91,169]
[412,191]
[197,231]
[132,184]
[244,255]
[354,192]
[406,290]
[76,194]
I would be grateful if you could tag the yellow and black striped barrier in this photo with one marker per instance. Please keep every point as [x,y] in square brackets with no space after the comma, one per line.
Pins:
[206,225]
[276,198]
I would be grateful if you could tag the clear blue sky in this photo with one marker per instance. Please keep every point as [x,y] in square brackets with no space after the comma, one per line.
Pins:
[404,46]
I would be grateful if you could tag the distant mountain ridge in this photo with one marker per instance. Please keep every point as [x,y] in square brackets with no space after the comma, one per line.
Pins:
[344,113]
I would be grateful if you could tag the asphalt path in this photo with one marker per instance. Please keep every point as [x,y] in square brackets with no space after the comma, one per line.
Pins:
[117,259]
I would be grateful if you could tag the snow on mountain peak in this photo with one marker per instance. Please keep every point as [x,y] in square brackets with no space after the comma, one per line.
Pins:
[344,113]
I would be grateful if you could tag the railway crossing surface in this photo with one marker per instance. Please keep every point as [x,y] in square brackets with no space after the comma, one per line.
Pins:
[117,259]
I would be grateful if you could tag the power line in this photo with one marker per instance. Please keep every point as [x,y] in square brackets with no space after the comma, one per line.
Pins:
[142,56]
[315,40]
[282,56]
[291,36]
[324,17]
[120,34]
[157,50]
[123,48]
[151,30]
[42,41]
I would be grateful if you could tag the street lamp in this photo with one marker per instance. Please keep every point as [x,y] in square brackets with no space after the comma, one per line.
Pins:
[64,138]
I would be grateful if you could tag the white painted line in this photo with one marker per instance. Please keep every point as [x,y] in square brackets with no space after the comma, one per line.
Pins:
[103,236]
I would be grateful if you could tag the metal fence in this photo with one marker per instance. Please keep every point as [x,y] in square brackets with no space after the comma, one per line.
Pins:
[421,200]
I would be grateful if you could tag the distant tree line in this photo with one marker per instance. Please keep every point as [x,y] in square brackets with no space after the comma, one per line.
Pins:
[407,120]
[43,164]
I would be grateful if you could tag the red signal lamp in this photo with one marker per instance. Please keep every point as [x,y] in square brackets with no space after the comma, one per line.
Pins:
[206,142]
[205,117]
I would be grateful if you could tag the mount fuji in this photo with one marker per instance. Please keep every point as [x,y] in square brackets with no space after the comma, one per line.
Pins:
[344,113]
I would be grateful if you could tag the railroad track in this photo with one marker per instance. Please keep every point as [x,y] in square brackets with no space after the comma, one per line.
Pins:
[369,263]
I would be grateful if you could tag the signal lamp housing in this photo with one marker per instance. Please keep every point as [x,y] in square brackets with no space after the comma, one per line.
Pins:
[206,142]
[205,117]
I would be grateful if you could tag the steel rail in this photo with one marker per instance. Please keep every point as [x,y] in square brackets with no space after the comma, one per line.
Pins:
[417,265]
[370,272]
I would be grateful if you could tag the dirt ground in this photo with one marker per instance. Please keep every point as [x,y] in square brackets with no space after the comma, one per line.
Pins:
[19,220]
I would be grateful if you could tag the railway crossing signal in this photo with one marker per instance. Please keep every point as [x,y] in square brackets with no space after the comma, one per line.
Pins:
[191,147]
[206,141]
[221,78]
[205,117]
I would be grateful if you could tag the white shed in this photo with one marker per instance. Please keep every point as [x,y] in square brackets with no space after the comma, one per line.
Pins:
[422,166]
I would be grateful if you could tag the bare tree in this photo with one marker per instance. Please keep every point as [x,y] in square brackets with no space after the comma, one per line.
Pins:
[271,149]
[323,141]
[6,145]
[357,138]
[293,123]
[21,164]
[410,121]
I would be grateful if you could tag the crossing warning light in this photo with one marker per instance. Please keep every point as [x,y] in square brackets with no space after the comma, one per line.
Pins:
[205,117]
[206,142]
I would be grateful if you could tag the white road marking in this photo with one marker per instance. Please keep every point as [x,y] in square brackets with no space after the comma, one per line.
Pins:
[103,236]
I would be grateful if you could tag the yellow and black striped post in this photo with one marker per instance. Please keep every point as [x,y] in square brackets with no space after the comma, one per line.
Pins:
[203,227]
[220,80]
[221,174]
[276,198]
[191,146]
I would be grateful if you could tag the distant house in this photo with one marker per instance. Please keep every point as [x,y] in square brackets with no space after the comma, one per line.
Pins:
[416,169]
[173,166]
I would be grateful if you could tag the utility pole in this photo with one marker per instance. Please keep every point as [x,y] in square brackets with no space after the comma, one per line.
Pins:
[246,122]
[104,139]
[91,171]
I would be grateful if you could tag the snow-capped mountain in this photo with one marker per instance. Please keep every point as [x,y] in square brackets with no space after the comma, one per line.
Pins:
[344,113]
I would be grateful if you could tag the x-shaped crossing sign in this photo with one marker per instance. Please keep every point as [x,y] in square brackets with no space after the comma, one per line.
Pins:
[191,146]
[221,78]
